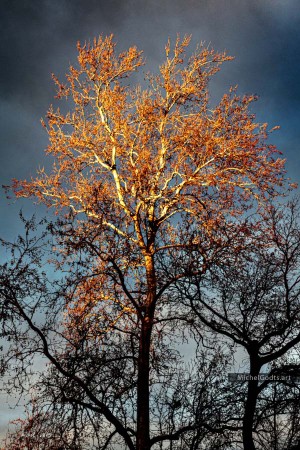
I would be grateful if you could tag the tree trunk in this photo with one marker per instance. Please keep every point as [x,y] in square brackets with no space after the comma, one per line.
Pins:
[143,406]
[143,416]
[250,405]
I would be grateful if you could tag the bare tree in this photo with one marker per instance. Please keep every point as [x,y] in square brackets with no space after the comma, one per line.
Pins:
[150,186]
[253,300]
[93,353]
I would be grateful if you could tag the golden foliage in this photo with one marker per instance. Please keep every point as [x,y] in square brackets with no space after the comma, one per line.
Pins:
[135,164]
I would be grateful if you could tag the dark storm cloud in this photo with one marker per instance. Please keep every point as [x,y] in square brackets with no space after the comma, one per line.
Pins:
[37,34]
[38,37]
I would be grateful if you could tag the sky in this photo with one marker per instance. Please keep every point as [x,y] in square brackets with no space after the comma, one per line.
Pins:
[38,37]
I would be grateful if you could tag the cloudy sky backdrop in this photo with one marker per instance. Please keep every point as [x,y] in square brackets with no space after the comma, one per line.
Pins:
[39,37]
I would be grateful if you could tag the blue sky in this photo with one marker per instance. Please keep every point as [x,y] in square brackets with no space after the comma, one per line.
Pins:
[39,37]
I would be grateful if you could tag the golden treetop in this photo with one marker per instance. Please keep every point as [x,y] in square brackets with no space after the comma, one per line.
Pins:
[130,158]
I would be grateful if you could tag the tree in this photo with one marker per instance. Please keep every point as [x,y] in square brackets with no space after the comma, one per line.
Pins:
[279,417]
[43,431]
[149,185]
[91,356]
[253,300]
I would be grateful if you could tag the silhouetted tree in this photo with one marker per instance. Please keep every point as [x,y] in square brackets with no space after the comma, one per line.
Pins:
[252,300]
